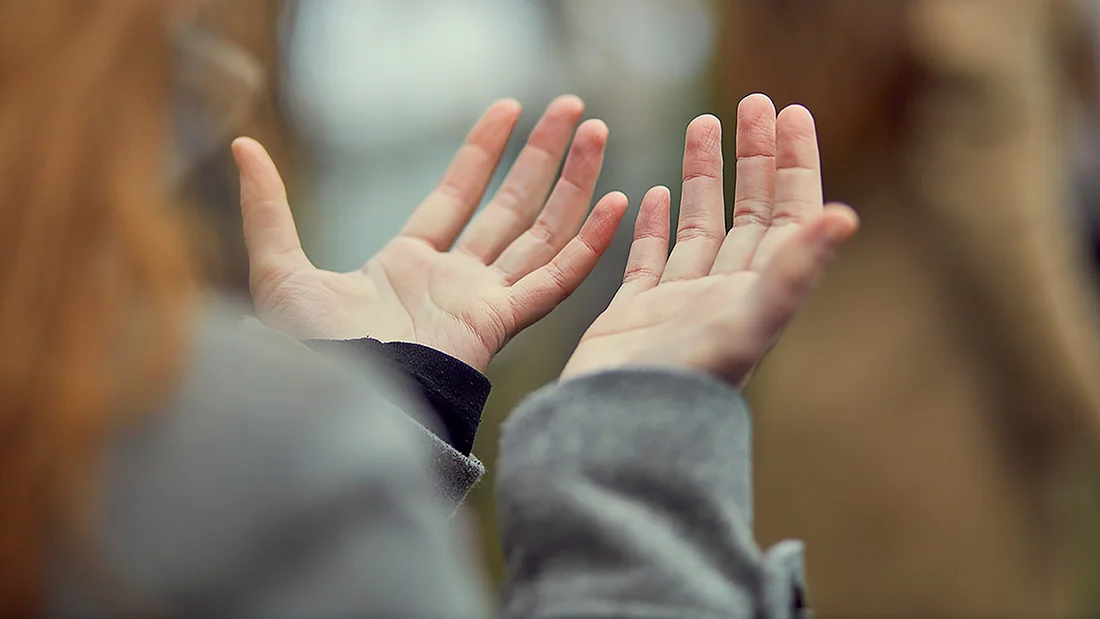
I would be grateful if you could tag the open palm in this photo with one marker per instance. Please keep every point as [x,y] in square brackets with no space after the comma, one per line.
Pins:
[463,295]
[719,302]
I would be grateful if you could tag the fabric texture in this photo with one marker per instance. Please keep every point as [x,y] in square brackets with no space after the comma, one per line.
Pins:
[278,484]
[629,494]
[452,389]
[454,473]
[283,484]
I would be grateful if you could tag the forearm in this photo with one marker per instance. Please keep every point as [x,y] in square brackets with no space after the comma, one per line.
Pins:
[454,391]
[455,473]
[629,494]
[455,395]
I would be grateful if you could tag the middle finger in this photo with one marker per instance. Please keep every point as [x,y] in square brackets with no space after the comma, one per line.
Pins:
[702,224]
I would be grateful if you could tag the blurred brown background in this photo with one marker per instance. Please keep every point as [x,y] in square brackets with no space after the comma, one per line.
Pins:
[929,424]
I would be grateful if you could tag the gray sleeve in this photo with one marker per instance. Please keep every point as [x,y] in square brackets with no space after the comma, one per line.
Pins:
[375,540]
[277,485]
[453,473]
[628,494]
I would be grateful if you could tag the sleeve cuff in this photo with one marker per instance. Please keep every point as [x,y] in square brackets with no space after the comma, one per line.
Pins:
[455,392]
[656,422]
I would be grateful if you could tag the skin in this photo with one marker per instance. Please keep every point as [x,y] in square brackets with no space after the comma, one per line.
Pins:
[465,287]
[720,301]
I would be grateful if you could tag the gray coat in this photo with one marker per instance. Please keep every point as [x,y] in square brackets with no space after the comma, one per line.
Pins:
[279,484]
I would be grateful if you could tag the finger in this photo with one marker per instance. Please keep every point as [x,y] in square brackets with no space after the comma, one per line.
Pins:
[702,224]
[797,266]
[798,194]
[798,168]
[649,251]
[524,190]
[754,194]
[541,291]
[445,212]
[269,231]
[565,209]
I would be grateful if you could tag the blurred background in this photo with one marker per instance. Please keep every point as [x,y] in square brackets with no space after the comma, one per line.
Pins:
[930,425]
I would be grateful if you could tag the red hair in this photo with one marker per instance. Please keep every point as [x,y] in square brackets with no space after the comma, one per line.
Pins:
[94,269]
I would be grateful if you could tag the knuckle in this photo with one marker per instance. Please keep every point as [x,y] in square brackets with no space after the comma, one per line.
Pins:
[697,231]
[751,214]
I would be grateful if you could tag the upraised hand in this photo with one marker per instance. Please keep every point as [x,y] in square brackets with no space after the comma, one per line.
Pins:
[720,301]
[465,293]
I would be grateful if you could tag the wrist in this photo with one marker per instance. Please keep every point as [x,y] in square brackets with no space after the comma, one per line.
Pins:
[703,356]
[453,390]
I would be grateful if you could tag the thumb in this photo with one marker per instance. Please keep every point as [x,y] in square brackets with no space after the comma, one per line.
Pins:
[798,265]
[269,230]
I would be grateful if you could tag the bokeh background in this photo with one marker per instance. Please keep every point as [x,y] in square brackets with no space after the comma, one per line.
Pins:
[930,424]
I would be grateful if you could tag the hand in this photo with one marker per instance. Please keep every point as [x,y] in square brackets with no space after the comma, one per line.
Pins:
[519,258]
[720,301]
